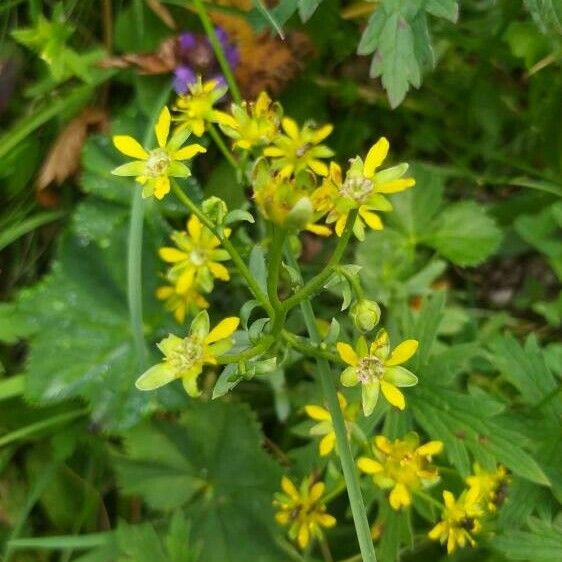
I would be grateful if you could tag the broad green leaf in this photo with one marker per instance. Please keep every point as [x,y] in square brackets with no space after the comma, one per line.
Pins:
[213,451]
[427,325]
[14,326]
[547,15]
[258,267]
[447,9]
[81,344]
[471,423]
[541,543]
[465,234]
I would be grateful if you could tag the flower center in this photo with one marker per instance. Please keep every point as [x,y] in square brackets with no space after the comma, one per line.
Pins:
[197,257]
[187,353]
[369,369]
[356,188]
[301,150]
[157,163]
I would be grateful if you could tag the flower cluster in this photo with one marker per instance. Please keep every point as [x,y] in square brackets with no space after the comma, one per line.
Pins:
[195,263]
[303,510]
[403,466]
[462,518]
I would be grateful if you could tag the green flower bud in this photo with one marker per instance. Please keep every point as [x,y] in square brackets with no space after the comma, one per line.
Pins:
[365,315]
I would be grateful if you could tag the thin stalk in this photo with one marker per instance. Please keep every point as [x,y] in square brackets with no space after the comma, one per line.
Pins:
[318,281]
[306,349]
[346,458]
[228,246]
[430,500]
[257,349]
[222,146]
[217,48]
[275,256]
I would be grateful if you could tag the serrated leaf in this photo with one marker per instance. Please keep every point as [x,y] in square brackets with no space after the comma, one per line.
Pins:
[14,326]
[465,423]
[465,234]
[215,448]
[82,344]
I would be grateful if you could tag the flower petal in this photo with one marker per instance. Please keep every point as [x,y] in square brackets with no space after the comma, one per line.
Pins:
[200,325]
[373,221]
[430,449]
[129,147]
[290,127]
[161,187]
[375,157]
[289,488]
[156,376]
[399,376]
[369,466]
[188,152]
[194,227]
[321,133]
[316,491]
[178,170]
[171,255]
[162,127]
[395,186]
[370,396]
[327,444]
[189,381]
[326,520]
[219,271]
[393,395]
[399,497]
[340,224]
[185,280]
[402,352]
[347,353]
[317,413]
[349,377]
[224,329]
[135,168]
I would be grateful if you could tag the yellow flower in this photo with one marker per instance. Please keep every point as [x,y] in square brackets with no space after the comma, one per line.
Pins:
[490,487]
[363,189]
[197,107]
[154,168]
[376,368]
[253,124]
[184,358]
[403,466]
[196,257]
[303,510]
[299,149]
[460,520]
[179,303]
[325,427]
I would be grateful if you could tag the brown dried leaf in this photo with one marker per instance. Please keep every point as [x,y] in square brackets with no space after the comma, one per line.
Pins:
[63,158]
[162,12]
[162,61]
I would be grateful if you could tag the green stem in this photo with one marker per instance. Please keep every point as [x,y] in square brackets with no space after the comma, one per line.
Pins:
[318,281]
[257,349]
[353,281]
[228,246]
[217,48]
[432,501]
[222,146]
[306,349]
[275,256]
[348,464]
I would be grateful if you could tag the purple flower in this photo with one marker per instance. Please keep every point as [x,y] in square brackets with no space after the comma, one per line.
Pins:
[183,77]
[232,55]
[187,40]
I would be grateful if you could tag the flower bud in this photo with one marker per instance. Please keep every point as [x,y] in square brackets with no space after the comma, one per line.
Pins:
[365,315]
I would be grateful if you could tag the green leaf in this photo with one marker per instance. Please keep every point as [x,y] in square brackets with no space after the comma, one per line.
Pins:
[465,234]
[82,344]
[427,325]
[14,326]
[447,9]
[547,15]
[541,543]
[214,450]
[471,423]
[258,267]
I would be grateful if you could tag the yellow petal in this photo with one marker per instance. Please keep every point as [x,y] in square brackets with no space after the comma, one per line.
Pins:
[155,377]
[340,224]
[395,186]
[303,536]
[282,517]
[437,531]
[316,492]
[161,187]
[321,133]
[172,255]
[290,127]
[162,293]
[317,413]
[194,227]
[347,353]
[430,449]
[224,329]
[383,444]
[129,147]
[326,520]
[318,229]
[393,395]
[402,353]
[185,280]
[162,127]
[399,497]
[373,221]
[318,167]
[289,488]
[375,157]
[449,499]
[219,271]
[188,152]
[327,444]
[369,466]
